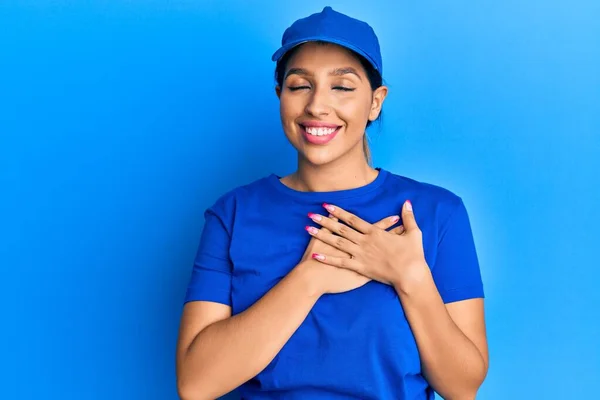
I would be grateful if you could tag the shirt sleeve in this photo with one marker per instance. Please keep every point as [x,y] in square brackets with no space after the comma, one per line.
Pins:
[211,274]
[456,271]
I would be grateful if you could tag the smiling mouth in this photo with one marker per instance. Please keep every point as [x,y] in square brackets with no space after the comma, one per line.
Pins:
[319,135]
[319,131]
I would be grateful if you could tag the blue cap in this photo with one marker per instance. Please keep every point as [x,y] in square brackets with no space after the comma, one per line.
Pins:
[333,27]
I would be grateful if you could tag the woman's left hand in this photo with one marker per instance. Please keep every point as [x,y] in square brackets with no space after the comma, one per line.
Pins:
[390,257]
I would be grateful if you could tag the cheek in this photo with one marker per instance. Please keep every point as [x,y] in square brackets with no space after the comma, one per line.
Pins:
[355,111]
[291,106]
[290,110]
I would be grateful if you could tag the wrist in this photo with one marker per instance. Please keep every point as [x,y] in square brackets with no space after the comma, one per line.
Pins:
[412,279]
[304,273]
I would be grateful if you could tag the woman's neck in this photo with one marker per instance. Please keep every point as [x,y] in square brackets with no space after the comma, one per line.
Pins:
[341,175]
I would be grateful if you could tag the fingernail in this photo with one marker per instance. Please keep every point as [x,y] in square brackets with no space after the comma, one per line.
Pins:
[408,205]
[329,207]
[315,217]
[318,256]
[312,230]
[395,219]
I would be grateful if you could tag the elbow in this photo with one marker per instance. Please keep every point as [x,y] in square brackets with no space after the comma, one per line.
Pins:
[185,391]
[464,394]
[192,386]
[200,388]
[190,382]
[191,391]
[469,389]
[470,392]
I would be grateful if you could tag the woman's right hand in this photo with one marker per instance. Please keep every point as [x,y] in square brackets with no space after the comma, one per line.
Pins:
[331,279]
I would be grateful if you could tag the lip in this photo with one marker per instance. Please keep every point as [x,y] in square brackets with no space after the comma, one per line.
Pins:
[319,140]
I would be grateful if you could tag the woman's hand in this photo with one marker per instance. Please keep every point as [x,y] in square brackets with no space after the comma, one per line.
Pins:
[329,279]
[392,258]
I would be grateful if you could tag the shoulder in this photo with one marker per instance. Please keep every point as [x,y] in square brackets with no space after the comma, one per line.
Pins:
[226,203]
[425,192]
[434,205]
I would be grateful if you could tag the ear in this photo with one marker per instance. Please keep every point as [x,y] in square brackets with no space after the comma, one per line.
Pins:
[379,96]
[278,91]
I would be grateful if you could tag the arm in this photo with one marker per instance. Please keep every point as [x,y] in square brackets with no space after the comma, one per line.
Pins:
[443,305]
[215,358]
[217,352]
[451,338]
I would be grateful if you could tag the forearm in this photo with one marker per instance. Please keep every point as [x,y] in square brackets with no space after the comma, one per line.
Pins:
[451,362]
[229,352]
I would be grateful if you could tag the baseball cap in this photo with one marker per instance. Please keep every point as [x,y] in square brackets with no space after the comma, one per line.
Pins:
[333,27]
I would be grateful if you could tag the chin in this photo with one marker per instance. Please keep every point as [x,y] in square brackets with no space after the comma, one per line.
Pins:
[320,156]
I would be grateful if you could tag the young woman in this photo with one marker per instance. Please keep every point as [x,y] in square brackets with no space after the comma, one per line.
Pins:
[327,283]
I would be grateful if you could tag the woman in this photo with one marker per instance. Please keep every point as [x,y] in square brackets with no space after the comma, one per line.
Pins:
[309,286]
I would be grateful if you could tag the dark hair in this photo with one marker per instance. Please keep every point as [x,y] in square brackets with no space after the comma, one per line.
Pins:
[374,77]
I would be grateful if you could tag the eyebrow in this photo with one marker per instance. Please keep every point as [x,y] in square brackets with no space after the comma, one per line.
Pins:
[335,72]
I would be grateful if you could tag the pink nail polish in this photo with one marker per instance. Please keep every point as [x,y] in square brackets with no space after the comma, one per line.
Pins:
[314,217]
[317,256]
[395,219]
[329,207]
[312,230]
[409,205]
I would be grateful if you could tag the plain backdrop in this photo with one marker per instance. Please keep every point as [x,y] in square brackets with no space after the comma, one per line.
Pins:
[120,122]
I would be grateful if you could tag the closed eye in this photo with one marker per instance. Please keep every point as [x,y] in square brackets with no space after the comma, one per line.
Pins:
[295,88]
[343,88]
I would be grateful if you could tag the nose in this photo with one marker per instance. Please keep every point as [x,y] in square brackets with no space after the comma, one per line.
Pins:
[318,103]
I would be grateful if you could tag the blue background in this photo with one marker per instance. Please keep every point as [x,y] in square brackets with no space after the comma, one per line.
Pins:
[120,122]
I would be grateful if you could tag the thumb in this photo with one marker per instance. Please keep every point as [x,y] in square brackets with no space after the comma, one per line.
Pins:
[408,217]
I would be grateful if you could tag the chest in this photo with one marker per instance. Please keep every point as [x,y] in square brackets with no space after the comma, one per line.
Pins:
[267,243]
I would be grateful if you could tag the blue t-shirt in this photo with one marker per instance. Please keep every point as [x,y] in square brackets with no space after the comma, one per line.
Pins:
[356,344]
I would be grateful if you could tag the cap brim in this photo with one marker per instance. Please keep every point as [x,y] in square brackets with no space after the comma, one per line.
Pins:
[284,49]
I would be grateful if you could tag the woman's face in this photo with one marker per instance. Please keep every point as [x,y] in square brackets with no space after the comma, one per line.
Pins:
[325,103]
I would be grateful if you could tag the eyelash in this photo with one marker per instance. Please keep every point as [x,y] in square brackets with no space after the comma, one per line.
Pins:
[342,88]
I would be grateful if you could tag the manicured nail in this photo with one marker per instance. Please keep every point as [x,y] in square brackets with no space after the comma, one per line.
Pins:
[395,219]
[318,256]
[315,217]
[329,207]
[312,230]
[408,205]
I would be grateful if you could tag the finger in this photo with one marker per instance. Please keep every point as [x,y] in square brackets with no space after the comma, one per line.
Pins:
[387,222]
[408,217]
[399,230]
[336,227]
[350,219]
[338,242]
[346,263]
[330,216]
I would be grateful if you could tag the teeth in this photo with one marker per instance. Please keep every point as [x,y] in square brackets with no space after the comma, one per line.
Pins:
[319,131]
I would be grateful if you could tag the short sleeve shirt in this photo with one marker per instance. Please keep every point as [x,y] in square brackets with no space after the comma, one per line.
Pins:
[356,344]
